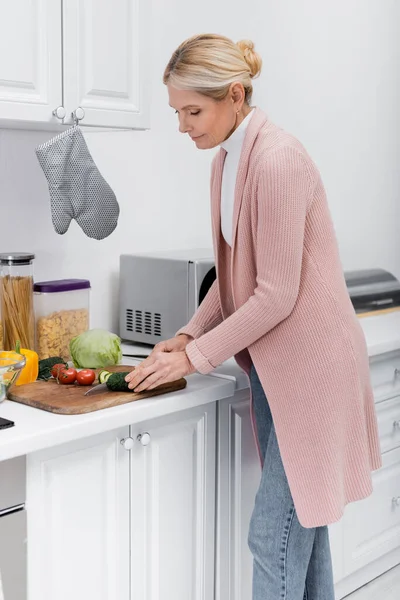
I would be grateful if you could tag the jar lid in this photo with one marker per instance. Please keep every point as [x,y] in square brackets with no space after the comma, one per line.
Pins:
[61,285]
[16,258]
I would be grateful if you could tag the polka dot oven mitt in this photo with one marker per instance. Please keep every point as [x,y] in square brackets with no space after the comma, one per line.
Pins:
[77,188]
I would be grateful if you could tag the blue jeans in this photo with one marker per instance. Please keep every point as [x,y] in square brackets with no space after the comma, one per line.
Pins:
[290,562]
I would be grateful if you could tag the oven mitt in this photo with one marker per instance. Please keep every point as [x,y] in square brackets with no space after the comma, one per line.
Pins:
[77,189]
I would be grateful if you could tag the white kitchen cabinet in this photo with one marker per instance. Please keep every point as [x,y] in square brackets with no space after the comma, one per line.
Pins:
[30,59]
[88,57]
[373,529]
[105,62]
[78,520]
[173,506]
[239,473]
[126,515]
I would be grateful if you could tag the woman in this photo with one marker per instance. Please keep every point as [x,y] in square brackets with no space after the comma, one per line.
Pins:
[279,305]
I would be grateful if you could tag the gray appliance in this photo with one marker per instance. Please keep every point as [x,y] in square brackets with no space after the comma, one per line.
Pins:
[373,290]
[159,292]
[13,548]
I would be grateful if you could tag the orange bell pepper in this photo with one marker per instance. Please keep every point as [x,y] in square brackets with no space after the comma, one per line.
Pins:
[31,370]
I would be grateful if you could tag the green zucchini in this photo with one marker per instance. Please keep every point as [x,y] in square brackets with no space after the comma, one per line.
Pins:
[104,375]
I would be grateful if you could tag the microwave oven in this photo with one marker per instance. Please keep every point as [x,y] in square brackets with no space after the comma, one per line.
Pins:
[160,292]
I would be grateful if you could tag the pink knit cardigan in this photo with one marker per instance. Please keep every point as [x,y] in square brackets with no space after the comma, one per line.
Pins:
[292,317]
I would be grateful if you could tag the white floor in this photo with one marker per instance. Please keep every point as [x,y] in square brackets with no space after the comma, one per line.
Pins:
[385,587]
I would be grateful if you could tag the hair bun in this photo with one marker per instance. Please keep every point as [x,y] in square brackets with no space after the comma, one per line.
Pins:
[252,58]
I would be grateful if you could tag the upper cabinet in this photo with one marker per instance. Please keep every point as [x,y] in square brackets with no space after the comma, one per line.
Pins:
[30,59]
[84,59]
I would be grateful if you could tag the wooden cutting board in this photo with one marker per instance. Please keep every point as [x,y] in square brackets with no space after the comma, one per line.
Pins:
[71,400]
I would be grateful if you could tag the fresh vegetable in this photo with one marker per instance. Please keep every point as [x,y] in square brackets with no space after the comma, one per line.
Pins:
[67,376]
[46,364]
[56,369]
[30,372]
[85,377]
[95,349]
[116,382]
[104,375]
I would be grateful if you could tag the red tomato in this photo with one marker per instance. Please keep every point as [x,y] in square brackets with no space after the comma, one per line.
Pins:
[85,377]
[56,369]
[66,376]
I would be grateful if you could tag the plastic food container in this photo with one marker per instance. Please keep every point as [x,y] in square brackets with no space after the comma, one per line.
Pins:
[62,312]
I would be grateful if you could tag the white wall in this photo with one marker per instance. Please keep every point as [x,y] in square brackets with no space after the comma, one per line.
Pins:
[331,76]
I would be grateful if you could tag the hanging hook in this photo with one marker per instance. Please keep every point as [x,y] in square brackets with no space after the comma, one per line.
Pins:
[78,115]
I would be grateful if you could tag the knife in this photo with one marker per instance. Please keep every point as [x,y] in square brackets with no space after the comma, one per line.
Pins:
[97,389]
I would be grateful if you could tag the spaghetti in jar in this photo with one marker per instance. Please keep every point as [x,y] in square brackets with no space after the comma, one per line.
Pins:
[16,300]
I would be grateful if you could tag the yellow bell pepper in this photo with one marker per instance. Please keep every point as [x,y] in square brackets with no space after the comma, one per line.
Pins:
[31,370]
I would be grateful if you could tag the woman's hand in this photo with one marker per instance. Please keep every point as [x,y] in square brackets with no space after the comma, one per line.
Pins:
[160,367]
[175,344]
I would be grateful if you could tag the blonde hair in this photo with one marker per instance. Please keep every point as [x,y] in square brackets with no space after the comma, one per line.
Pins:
[210,63]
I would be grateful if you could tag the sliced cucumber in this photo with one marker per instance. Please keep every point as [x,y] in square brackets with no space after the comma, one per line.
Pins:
[104,375]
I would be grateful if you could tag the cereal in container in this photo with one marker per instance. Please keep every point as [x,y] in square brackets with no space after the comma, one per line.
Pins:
[62,312]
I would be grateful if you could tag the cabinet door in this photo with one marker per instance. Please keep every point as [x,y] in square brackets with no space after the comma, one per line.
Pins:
[30,59]
[239,474]
[173,507]
[336,545]
[78,520]
[105,58]
[372,526]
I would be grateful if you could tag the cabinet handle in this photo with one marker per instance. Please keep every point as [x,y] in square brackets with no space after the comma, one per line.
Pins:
[144,438]
[396,502]
[59,112]
[396,373]
[128,443]
[78,115]
[396,424]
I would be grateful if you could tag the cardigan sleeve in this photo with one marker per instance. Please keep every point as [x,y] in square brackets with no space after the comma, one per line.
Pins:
[207,316]
[282,196]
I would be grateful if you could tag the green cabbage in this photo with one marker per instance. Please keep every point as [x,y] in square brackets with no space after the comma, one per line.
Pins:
[95,349]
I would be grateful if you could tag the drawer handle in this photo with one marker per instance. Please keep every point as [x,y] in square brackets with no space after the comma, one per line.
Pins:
[396,373]
[396,502]
[396,424]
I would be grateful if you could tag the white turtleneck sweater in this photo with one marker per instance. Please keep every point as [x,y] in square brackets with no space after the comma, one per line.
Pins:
[233,146]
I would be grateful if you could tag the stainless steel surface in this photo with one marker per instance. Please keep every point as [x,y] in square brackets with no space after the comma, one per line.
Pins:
[159,292]
[97,389]
[16,258]
[372,289]
[13,528]
[13,555]
[12,482]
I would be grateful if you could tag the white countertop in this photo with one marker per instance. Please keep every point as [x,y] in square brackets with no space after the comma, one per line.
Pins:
[37,429]
[382,333]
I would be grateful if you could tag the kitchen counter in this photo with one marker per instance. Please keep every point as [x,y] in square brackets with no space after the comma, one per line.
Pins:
[382,333]
[38,429]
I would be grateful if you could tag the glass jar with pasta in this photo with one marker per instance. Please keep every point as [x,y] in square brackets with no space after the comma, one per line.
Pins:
[16,299]
[61,312]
